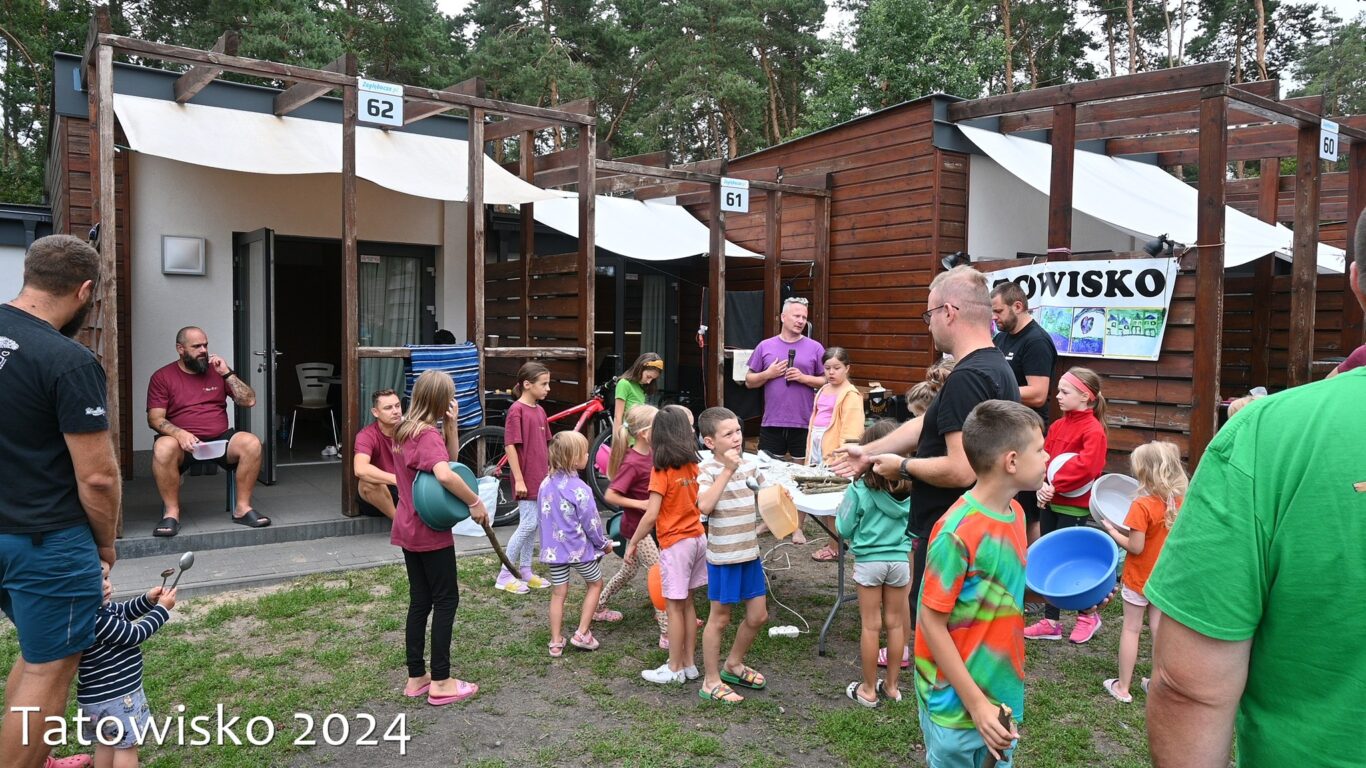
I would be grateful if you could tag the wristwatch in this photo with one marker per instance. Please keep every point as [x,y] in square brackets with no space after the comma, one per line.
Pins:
[229,374]
[904,472]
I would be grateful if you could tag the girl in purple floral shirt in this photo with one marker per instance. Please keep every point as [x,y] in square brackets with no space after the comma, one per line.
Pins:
[572,537]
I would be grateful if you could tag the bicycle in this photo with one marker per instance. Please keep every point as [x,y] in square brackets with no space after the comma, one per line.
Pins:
[483,451]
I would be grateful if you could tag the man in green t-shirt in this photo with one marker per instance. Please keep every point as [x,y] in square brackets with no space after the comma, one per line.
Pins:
[1261,583]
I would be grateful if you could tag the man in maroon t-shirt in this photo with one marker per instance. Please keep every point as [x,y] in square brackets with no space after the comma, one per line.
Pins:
[187,403]
[373,460]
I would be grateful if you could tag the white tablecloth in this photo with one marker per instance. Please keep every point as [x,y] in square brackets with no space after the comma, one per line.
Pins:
[781,472]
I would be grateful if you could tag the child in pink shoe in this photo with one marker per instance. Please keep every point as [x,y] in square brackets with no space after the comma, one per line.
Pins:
[572,538]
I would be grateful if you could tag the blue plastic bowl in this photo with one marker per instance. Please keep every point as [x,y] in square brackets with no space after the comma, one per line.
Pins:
[1074,568]
[438,507]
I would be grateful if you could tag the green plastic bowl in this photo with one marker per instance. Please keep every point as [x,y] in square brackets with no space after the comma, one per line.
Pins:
[438,507]
[614,533]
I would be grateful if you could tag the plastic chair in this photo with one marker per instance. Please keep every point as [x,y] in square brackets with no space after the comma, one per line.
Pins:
[314,395]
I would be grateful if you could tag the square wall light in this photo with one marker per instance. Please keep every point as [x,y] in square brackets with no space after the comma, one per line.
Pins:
[182,255]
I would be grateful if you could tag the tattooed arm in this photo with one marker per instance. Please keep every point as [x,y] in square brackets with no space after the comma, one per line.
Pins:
[242,394]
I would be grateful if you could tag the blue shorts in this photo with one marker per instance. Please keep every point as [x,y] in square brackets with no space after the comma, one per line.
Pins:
[736,582]
[51,591]
[955,747]
[117,723]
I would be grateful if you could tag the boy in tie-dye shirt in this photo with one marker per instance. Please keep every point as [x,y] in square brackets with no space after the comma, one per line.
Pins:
[969,648]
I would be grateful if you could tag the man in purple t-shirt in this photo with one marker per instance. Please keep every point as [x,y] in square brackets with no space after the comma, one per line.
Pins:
[373,459]
[789,389]
[187,403]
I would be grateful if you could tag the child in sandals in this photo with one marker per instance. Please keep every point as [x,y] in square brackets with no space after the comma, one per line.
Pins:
[572,537]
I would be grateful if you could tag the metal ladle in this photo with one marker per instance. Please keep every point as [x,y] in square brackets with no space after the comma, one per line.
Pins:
[186,563]
[166,574]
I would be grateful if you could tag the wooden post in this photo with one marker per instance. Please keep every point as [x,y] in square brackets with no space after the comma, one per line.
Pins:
[527,166]
[1209,275]
[1352,326]
[1304,273]
[1060,180]
[1268,198]
[715,365]
[773,264]
[350,367]
[474,242]
[106,215]
[820,271]
[587,261]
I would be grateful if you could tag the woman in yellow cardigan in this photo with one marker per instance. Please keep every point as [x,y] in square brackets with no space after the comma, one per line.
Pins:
[836,418]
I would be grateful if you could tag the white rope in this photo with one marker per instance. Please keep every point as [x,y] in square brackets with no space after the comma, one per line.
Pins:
[787,565]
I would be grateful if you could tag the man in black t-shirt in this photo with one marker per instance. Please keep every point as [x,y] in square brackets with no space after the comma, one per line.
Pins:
[959,318]
[1031,354]
[62,496]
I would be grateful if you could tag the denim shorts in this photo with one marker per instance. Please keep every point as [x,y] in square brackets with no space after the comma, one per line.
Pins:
[118,721]
[955,747]
[51,588]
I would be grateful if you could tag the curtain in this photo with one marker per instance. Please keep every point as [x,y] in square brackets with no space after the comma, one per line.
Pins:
[654,309]
[389,305]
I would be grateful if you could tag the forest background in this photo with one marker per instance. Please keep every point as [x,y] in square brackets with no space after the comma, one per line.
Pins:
[706,78]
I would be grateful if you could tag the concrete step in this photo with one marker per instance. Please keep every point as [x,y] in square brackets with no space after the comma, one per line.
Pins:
[229,535]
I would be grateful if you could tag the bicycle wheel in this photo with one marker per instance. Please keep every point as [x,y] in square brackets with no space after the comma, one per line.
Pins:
[597,480]
[482,451]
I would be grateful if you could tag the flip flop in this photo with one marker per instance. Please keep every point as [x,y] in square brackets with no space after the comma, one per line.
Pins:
[252,520]
[463,690]
[905,658]
[748,678]
[722,693]
[418,692]
[168,527]
[1112,688]
[885,693]
[852,692]
[825,554]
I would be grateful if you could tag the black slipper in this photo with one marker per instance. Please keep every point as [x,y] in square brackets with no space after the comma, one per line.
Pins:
[168,527]
[252,520]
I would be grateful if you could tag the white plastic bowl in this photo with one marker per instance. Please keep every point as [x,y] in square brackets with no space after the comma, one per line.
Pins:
[214,449]
[1111,497]
[1056,464]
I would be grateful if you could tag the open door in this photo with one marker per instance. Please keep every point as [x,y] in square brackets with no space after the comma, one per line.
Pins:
[254,350]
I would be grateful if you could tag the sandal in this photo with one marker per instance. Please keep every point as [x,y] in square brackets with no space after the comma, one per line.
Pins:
[252,519]
[584,641]
[886,693]
[607,614]
[748,678]
[722,693]
[825,554]
[556,649]
[905,658]
[168,527]
[1112,688]
[463,690]
[419,692]
[852,692]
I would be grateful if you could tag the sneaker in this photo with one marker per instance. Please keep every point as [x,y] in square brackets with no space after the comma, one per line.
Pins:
[507,583]
[1044,629]
[663,675]
[1088,624]
[690,673]
[536,582]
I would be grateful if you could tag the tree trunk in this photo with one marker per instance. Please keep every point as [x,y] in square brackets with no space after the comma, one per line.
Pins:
[1261,39]
[1133,36]
[1010,46]
[1167,17]
[772,83]
[732,137]
[1110,38]
[1181,37]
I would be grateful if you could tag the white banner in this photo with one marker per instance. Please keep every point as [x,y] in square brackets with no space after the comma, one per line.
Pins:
[1110,308]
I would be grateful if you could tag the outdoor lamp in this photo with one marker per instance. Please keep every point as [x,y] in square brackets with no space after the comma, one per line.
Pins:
[1154,247]
[955,259]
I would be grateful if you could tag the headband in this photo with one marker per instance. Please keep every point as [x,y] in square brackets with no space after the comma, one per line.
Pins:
[656,364]
[1070,378]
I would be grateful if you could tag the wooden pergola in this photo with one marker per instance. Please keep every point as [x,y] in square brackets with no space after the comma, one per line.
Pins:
[1195,115]
[308,84]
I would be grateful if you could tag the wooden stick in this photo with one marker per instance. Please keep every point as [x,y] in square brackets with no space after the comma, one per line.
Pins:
[488,531]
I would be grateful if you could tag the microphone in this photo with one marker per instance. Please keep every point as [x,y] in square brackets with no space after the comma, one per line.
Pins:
[791,359]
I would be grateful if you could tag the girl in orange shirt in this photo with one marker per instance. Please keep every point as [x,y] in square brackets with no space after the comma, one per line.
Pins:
[1162,486]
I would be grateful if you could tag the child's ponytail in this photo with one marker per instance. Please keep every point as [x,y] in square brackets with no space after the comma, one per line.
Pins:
[635,421]
[528,374]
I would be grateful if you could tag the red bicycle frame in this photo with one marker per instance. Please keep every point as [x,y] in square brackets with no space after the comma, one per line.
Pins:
[587,410]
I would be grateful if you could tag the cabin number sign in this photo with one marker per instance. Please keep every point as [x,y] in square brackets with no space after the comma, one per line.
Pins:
[380,103]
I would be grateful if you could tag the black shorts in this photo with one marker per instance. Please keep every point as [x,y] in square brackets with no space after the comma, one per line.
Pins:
[780,441]
[189,460]
[370,510]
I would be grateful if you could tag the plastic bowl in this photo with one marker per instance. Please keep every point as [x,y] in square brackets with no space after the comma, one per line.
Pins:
[214,449]
[1056,464]
[1111,497]
[1074,568]
[614,533]
[438,507]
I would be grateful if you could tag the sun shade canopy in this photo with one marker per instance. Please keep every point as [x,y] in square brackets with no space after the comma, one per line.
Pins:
[643,230]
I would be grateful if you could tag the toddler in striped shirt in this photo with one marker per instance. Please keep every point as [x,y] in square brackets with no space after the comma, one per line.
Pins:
[109,686]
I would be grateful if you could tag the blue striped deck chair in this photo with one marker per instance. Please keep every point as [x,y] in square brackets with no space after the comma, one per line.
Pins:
[461,361]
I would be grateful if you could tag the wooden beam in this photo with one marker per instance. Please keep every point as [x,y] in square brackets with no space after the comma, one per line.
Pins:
[773,254]
[106,215]
[538,353]
[99,25]
[194,80]
[350,361]
[1156,106]
[715,365]
[527,160]
[513,126]
[299,94]
[421,110]
[475,222]
[1265,276]
[1304,273]
[1177,78]
[820,268]
[1353,327]
[1060,179]
[270,69]
[1275,137]
[668,189]
[587,256]
[657,159]
[1209,274]
[679,174]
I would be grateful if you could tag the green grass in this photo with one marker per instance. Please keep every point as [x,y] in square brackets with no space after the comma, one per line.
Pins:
[333,643]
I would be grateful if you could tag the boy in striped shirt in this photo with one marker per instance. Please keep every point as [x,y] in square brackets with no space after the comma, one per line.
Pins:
[109,686]
[734,572]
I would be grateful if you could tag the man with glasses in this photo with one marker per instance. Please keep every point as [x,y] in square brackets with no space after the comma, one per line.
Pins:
[959,318]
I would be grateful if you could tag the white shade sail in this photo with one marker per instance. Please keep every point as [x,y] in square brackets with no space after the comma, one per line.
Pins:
[1142,200]
[251,142]
[643,230]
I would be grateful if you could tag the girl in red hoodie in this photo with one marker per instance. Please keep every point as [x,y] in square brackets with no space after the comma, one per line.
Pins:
[1065,500]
